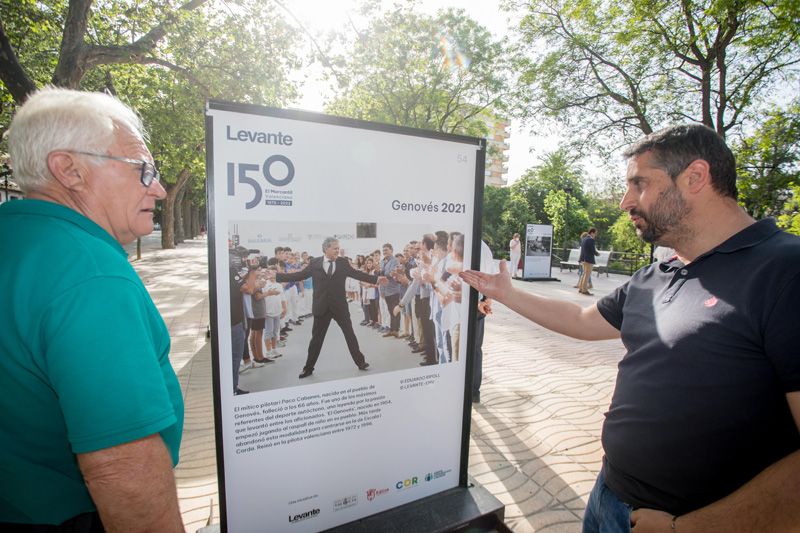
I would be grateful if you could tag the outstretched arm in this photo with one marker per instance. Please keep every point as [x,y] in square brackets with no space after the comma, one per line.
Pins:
[363,276]
[768,502]
[282,277]
[567,318]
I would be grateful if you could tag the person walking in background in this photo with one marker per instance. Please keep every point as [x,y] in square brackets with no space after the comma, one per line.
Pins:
[580,267]
[92,411]
[588,253]
[515,250]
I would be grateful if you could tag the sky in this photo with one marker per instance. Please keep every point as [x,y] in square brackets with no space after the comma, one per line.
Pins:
[327,15]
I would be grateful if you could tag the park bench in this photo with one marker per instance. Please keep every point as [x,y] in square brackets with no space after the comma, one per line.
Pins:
[572,260]
[601,261]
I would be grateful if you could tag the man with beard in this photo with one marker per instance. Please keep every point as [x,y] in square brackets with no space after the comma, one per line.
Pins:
[702,431]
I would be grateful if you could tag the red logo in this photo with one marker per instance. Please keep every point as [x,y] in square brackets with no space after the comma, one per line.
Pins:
[373,493]
[711,302]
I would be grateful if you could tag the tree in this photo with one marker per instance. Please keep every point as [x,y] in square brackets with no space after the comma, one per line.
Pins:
[494,231]
[623,236]
[515,216]
[610,71]
[78,53]
[566,212]
[790,219]
[767,163]
[177,58]
[603,212]
[442,73]
[557,171]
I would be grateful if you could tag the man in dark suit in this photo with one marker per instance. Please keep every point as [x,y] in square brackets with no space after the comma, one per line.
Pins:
[588,253]
[329,273]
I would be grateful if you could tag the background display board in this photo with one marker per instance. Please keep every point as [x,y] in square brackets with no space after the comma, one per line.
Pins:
[538,249]
[342,444]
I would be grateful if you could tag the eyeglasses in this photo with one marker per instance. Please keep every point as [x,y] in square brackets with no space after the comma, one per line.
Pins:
[149,172]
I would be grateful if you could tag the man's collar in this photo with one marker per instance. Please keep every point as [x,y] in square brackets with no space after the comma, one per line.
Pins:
[749,236]
[44,208]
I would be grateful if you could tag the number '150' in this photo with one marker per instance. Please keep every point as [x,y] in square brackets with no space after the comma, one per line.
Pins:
[247,175]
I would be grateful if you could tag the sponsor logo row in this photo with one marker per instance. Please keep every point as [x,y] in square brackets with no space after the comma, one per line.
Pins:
[371,494]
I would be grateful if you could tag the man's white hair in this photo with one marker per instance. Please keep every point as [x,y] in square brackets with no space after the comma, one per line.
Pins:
[62,119]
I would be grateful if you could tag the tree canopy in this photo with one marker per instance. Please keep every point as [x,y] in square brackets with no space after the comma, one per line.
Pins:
[611,71]
[442,73]
[162,58]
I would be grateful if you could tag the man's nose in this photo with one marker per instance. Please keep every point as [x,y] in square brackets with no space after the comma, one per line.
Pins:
[157,190]
[627,203]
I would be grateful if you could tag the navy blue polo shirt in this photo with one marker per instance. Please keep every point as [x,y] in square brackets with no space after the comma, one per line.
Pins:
[699,406]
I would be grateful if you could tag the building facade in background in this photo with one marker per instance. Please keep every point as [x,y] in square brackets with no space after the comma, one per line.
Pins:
[496,148]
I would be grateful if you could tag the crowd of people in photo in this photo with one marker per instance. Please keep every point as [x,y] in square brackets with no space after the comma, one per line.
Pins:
[420,303]
[271,308]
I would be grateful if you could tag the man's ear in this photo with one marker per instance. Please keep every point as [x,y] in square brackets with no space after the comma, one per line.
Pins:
[698,175]
[66,169]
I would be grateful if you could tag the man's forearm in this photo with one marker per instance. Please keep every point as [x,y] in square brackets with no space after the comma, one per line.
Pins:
[133,486]
[560,316]
[768,502]
[284,277]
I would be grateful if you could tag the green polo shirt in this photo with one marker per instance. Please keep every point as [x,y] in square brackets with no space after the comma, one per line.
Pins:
[83,359]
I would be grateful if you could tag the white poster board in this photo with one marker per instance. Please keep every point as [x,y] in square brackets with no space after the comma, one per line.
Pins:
[538,250]
[341,444]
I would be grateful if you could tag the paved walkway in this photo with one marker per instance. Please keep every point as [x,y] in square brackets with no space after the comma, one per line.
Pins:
[535,437]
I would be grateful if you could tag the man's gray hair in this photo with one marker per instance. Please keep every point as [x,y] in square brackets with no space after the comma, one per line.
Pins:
[327,243]
[62,119]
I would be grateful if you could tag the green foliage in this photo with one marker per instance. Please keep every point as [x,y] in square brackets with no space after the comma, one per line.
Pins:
[769,164]
[540,197]
[790,219]
[443,73]
[606,72]
[603,213]
[494,228]
[624,238]
[556,171]
[212,51]
[563,209]
[515,216]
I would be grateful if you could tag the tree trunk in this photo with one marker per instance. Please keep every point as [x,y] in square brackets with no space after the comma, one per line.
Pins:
[187,218]
[168,207]
[195,220]
[179,233]
[71,60]
[12,74]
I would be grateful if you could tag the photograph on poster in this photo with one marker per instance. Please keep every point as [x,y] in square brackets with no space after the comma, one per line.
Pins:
[333,300]
[538,245]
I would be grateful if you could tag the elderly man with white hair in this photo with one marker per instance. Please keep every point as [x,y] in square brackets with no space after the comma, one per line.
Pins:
[92,410]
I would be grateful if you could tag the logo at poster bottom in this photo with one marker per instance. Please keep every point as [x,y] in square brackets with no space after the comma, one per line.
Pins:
[302,516]
[430,476]
[374,493]
[344,503]
[407,483]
